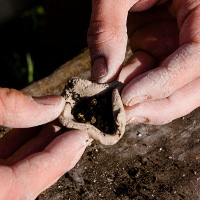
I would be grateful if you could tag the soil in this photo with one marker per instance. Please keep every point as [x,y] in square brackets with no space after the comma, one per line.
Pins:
[96,110]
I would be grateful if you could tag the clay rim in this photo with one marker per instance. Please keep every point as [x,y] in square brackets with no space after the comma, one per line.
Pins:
[86,88]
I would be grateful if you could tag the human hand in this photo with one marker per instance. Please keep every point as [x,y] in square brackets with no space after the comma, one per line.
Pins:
[162,77]
[18,110]
[32,159]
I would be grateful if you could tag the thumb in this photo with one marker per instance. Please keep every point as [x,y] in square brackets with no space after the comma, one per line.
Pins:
[18,110]
[107,38]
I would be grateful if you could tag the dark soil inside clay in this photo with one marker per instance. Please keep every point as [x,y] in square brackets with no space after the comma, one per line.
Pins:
[95,110]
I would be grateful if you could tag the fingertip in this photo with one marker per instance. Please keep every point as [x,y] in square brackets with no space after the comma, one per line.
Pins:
[48,165]
[125,96]
[20,110]
[80,137]
[106,67]
[48,108]
[139,63]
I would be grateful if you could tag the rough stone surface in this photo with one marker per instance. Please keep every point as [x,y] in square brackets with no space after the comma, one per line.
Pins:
[149,162]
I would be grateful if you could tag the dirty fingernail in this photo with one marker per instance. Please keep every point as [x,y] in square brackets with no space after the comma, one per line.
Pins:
[137,120]
[99,68]
[136,100]
[48,100]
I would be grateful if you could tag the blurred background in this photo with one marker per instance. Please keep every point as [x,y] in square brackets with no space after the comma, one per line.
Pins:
[37,36]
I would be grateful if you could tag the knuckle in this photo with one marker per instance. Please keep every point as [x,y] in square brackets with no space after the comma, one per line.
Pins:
[100,33]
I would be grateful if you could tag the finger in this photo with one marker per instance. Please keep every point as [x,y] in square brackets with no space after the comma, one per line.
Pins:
[139,63]
[179,68]
[176,71]
[14,139]
[36,144]
[107,38]
[158,38]
[46,167]
[137,20]
[142,5]
[18,110]
[165,110]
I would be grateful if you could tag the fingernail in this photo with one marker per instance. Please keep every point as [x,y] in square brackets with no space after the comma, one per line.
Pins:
[133,120]
[99,68]
[136,100]
[48,100]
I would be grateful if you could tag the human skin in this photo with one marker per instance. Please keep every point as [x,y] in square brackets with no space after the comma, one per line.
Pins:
[162,76]
[32,159]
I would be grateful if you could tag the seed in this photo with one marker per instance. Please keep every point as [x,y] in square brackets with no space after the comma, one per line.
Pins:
[81,117]
[93,120]
[94,101]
